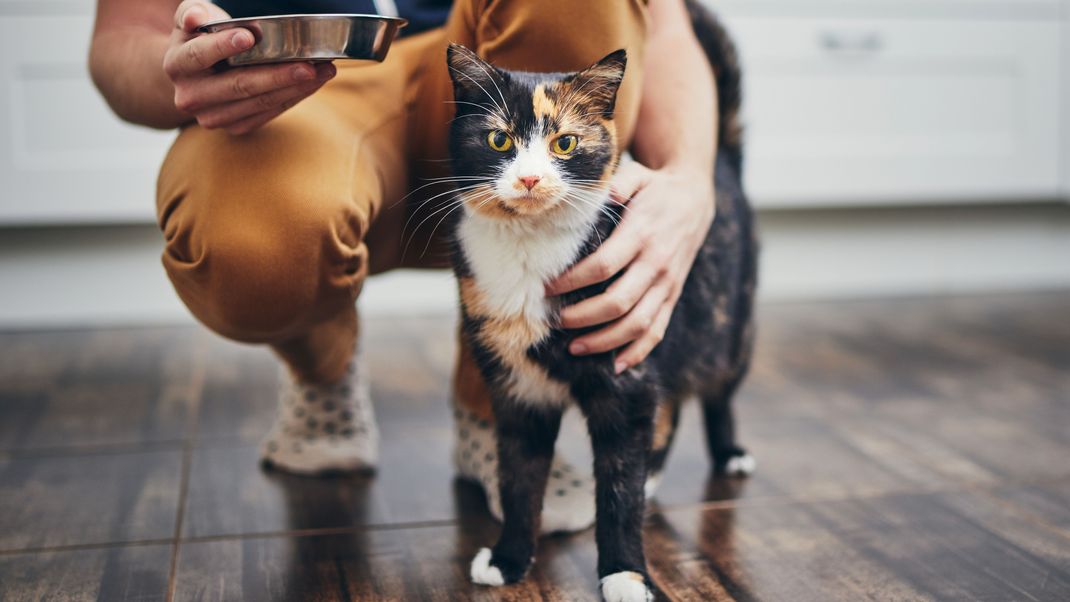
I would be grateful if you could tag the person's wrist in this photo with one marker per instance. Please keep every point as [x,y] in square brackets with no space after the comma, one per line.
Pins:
[698,178]
[689,169]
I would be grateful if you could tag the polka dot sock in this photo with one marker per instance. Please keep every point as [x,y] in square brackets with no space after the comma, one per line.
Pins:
[323,428]
[569,502]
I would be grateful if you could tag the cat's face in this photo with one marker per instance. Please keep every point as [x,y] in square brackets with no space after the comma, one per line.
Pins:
[530,144]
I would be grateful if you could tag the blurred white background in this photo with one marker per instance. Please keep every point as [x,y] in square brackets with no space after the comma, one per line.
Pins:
[895,148]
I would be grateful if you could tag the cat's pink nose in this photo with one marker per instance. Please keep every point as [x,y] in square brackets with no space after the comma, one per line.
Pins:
[530,181]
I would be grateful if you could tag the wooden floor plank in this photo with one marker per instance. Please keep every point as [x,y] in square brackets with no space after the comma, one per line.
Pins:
[56,501]
[946,546]
[92,388]
[136,573]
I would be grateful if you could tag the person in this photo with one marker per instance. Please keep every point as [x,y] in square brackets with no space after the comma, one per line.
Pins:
[289,184]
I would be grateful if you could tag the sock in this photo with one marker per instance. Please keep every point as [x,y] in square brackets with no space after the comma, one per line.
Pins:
[323,427]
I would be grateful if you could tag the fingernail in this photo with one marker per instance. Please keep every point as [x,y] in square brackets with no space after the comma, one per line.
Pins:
[302,73]
[577,348]
[240,40]
[328,71]
[619,367]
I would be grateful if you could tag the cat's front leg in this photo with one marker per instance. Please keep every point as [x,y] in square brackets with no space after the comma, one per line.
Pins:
[621,431]
[526,436]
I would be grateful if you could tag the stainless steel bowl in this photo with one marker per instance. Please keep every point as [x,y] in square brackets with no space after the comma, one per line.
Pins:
[287,38]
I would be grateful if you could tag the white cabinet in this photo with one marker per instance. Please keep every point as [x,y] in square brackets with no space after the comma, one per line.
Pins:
[1065,102]
[64,157]
[848,102]
[873,111]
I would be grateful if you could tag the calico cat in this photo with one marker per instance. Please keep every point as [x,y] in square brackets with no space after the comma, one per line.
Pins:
[535,152]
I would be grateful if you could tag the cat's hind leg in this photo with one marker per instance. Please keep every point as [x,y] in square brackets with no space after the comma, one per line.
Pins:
[728,457]
[526,436]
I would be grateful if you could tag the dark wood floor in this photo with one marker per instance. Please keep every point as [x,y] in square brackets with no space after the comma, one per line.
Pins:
[907,450]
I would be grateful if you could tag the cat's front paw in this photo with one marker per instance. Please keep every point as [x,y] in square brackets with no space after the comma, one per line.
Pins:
[626,586]
[488,570]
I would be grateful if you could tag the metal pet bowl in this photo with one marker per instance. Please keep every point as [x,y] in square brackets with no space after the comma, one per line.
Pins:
[287,38]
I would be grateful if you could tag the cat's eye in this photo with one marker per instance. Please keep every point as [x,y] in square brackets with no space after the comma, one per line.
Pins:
[499,141]
[564,145]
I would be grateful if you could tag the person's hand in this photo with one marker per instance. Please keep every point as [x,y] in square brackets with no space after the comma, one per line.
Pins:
[237,100]
[668,215]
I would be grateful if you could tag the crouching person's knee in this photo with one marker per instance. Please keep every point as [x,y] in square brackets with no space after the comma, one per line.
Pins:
[267,278]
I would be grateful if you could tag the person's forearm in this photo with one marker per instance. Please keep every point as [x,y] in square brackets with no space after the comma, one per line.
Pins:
[127,67]
[677,126]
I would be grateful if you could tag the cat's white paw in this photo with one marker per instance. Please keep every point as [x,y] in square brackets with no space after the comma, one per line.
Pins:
[482,572]
[651,485]
[740,466]
[625,586]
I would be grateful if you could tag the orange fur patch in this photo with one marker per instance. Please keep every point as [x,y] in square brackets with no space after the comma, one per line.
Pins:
[509,338]
[663,424]
[541,103]
[469,389]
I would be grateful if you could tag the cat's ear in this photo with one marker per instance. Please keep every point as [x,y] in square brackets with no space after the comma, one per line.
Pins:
[472,76]
[596,86]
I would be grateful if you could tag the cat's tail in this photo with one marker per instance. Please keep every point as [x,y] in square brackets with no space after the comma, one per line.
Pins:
[721,52]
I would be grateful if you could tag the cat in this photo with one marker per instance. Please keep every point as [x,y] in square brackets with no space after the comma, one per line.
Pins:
[535,152]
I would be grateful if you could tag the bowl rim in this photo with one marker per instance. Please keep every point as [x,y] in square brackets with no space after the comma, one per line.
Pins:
[310,16]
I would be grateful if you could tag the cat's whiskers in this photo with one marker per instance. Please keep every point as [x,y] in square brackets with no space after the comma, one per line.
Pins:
[501,108]
[487,110]
[485,196]
[593,197]
[434,181]
[479,182]
[448,207]
[493,80]
[446,204]
[468,115]
[460,190]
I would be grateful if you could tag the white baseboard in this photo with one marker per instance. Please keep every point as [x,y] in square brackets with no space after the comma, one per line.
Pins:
[62,277]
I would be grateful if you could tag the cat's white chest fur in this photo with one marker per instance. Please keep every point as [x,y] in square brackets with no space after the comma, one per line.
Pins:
[511,261]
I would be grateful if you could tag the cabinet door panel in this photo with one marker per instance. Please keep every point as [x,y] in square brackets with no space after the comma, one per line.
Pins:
[65,157]
[856,111]
[1064,69]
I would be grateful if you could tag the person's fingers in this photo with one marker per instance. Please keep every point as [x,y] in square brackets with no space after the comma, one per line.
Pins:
[201,53]
[191,14]
[630,178]
[613,256]
[635,324]
[619,298]
[231,113]
[635,353]
[247,82]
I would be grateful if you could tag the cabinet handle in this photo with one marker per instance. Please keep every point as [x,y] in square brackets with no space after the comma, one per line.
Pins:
[853,42]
